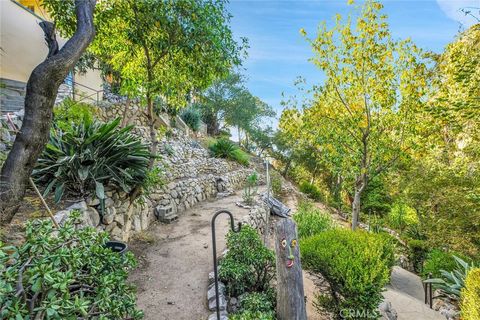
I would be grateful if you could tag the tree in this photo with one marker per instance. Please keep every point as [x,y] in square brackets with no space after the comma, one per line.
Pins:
[228,101]
[246,113]
[360,117]
[161,48]
[219,99]
[42,88]
[442,180]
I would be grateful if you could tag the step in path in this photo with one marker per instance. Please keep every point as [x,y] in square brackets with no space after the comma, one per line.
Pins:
[406,295]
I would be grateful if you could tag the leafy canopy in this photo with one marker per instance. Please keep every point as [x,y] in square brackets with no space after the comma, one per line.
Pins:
[167,47]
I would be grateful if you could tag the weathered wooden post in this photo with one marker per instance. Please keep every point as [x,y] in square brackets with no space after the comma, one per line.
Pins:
[290,294]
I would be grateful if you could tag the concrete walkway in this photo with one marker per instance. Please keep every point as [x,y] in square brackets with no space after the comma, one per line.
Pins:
[406,295]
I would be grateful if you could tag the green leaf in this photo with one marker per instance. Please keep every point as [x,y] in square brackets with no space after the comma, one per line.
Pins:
[99,190]
[83,173]
[59,190]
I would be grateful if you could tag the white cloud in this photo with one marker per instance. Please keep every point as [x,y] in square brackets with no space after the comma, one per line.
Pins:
[453,10]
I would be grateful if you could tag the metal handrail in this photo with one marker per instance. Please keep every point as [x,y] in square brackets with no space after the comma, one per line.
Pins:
[82,85]
[214,247]
[72,84]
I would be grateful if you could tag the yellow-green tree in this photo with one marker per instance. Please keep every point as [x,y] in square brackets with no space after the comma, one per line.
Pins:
[442,181]
[360,117]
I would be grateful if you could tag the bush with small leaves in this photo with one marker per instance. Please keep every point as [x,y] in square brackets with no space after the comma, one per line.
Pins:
[417,253]
[357,265]
[192,118]
[67,273]
[311,190]
[276,184]
[438,260]
[311,220]
[470,303]
[71,113]
[248,265]
[252,315]
[250,189]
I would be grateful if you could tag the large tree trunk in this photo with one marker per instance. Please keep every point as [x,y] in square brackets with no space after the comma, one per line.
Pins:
[42,88]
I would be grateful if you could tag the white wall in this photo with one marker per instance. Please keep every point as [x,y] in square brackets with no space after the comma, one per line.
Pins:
[23,46]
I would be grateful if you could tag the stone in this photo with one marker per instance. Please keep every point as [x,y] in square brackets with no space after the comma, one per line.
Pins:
[223,316]
[174,194]
[110,227]
[108,218]
[94,216]
[137,223]
[61,216]
[386,311]
[93,202]
[82,206]
[211,290]
[116,233]
[119,219]
[109,202]
[222,303]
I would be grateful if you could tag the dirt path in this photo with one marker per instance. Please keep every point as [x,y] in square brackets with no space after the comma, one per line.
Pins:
[173,270]
[175,259]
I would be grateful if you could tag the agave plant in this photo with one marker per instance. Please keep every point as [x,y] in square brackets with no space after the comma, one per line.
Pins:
[90,156]
[452,283]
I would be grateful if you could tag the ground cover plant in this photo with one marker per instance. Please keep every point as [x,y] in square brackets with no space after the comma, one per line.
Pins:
[356,264]
[65,274]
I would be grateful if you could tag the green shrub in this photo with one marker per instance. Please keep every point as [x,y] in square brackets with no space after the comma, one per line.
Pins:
[252,315]
[241,157]
[90,156]
[417,253]
[451,283]
[401,216]
[357,265]
[224,148]
[276,184]
[470,303]
[192,118]
[68,274]
[311,220]
[70,113]
[257,302]
[154,179]
[248,265]
[438,260]
[311,190]
[250,189]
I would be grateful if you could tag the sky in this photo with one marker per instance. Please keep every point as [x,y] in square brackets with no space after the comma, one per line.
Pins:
[278,54]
